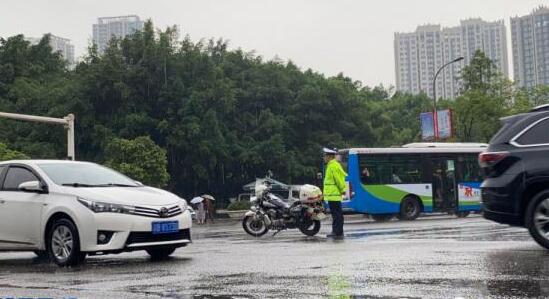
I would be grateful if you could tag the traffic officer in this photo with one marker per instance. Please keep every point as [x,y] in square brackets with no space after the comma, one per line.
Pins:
[334,189]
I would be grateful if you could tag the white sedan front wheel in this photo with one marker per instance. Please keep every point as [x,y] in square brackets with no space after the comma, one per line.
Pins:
[64,243]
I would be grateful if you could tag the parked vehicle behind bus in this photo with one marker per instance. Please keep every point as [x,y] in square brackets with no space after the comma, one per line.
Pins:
[413,179]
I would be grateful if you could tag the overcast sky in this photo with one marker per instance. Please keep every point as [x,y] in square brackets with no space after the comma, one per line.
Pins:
[350,36]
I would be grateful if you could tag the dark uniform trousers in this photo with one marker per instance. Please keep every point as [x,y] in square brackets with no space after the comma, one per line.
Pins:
[337,217]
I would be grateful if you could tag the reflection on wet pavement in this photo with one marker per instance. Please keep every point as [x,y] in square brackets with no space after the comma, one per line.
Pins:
[428,258]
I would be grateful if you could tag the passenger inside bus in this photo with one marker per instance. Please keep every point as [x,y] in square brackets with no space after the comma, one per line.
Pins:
[365,175]
[395,179]
[438,184]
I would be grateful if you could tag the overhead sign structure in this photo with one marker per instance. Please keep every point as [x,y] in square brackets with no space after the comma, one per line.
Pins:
[67,122]
[444,128]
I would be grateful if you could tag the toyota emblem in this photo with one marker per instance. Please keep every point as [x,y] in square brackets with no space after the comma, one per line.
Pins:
[163,213]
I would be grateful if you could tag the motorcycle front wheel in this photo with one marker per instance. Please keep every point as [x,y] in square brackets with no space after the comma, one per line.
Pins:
[254,227]
[310,228]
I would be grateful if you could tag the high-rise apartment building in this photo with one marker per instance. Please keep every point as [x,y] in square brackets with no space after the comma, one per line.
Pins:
[58,44]
[530,40]
[418,55]
[119,27]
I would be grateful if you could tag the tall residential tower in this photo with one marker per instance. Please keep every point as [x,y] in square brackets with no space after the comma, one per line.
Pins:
[58,44]
[119,27]
[530,39]
[419,54]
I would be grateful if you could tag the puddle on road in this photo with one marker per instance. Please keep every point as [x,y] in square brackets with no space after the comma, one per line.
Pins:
[467,233]
[107,265]
[221,296]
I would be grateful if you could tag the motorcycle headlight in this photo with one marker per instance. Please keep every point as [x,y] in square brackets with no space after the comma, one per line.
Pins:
[105,207]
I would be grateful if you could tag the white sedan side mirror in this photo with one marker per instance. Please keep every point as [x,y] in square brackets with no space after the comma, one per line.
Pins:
[32,186]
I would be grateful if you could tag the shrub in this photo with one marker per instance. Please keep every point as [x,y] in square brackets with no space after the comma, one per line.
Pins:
[8,154]
[239,206]
[140,158]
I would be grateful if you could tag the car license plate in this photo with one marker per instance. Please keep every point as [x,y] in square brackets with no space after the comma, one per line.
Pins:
[165,227]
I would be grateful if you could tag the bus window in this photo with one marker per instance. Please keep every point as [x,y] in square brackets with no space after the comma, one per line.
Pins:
[472,171]
[343,159]
[385,169]
[373,169]
[405,169]
[469,168]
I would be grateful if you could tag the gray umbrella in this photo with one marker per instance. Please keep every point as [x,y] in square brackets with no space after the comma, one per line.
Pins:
[197,200]
[208,197]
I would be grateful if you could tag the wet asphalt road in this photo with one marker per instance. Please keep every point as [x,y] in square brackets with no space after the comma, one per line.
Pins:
[434,257]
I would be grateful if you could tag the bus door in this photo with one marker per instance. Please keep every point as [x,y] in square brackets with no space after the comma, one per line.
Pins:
[444,184]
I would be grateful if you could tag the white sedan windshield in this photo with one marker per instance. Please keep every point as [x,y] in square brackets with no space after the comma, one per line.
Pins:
[85,175]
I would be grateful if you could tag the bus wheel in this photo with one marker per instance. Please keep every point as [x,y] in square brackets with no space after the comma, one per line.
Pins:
[462,214]
[410,208]
[381,217]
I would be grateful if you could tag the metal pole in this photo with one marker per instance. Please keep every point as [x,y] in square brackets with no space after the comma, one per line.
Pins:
[435,116]
[42,119]
[71,154]
[67,121]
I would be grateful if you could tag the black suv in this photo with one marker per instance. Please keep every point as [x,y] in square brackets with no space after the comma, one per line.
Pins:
[516,167]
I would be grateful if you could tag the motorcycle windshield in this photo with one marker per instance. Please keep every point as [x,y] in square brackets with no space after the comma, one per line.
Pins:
[261,185]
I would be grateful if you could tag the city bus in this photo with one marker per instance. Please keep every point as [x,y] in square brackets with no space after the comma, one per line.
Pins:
[413,179]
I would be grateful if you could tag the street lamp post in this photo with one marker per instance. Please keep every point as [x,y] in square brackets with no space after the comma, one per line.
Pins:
[435,116]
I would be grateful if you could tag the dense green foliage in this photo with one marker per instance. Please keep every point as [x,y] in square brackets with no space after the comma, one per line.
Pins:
[7,154]
[223,117]
[140,159]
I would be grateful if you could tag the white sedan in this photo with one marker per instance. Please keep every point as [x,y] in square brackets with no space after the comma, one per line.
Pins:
[66,210]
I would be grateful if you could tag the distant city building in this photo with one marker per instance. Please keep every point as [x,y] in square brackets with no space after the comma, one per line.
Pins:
[419,54]
[530,40]
[58,44]
[119,27]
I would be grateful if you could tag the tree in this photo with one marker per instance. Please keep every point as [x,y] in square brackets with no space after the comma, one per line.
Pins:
[538,95]
[487,96]
[140,159]
[481,74]
[477,116]
[8,154]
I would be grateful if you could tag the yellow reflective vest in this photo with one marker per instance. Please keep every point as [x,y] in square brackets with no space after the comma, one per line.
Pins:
[334,181]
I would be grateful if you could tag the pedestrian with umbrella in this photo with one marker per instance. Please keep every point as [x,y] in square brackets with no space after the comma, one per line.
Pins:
[198,202]
[209,206]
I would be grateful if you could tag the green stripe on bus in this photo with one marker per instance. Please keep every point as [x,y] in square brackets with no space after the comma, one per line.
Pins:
[469,203]
[394,195]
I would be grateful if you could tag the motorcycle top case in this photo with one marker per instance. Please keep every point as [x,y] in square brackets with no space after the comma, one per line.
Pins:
[309,194]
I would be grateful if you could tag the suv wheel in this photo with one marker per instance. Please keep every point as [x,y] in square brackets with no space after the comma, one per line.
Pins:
[537,218]
[64,243]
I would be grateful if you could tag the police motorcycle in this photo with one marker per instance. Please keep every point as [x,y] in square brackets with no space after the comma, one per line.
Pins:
[271,212]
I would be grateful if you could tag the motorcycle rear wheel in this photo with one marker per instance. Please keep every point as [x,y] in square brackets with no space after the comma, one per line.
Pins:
[254,227]
[311,228]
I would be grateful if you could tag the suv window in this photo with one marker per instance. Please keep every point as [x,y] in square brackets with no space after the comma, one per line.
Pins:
[538,134]
[16,176]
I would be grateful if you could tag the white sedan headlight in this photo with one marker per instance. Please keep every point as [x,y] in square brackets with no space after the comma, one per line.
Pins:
[183,204]
[105,207]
